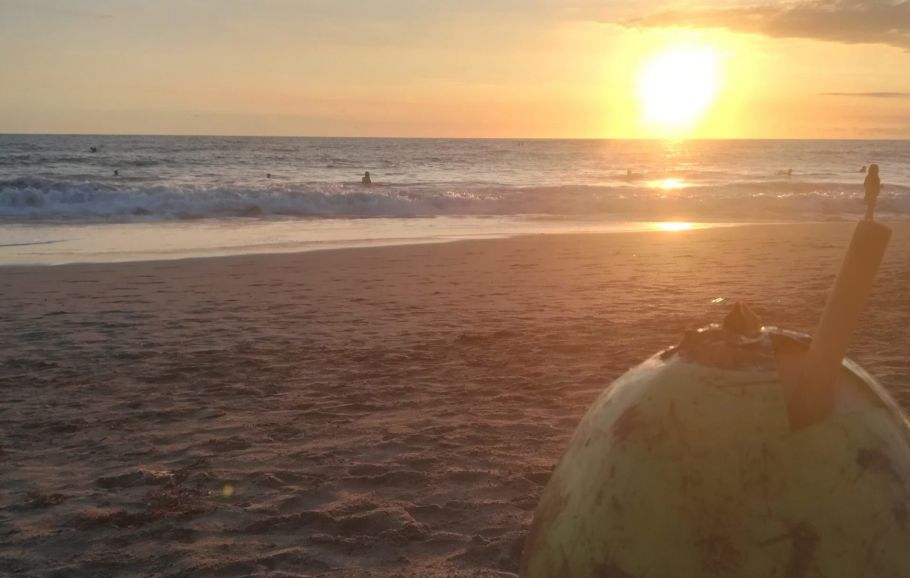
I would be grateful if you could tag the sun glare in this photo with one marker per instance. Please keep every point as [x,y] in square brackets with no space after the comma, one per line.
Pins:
[673,226]
[671,184]
[677,87]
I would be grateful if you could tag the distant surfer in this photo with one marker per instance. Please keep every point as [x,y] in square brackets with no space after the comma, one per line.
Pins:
[116,172]
[863,170]
[93,149]
[366,180]
[268,175]
[873,186]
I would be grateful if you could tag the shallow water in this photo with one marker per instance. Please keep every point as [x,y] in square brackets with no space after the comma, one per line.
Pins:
[61,243]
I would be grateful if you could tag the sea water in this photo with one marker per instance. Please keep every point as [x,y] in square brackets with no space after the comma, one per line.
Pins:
[171,197]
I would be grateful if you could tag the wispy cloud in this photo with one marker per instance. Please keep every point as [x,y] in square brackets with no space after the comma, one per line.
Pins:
[849,21]
[869,94]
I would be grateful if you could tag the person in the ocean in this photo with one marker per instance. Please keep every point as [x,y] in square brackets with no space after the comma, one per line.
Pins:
[268,175]
[93,149]
[863,170]
[366,180]
[873,186]
[116,172]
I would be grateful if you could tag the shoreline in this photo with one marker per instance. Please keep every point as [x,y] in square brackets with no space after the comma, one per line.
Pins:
[545,228]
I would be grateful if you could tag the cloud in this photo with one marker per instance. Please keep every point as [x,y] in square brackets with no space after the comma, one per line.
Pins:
[869,94]
[848,21]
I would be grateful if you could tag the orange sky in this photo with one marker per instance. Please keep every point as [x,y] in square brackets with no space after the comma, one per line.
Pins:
[507,68]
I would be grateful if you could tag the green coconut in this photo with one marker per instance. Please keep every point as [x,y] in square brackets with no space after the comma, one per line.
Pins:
[690,465]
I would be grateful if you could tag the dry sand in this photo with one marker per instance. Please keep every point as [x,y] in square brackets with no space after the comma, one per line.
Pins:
[375,412]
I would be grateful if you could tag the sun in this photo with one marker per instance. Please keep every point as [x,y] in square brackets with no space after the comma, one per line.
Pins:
[678,86]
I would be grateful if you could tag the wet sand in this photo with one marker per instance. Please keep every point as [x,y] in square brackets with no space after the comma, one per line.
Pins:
[371,412]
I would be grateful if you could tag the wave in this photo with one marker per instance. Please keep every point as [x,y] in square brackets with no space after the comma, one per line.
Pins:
[88,160]
[38,199]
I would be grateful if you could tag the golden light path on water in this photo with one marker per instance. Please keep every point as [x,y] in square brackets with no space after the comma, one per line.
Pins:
[674,226]
[671,184]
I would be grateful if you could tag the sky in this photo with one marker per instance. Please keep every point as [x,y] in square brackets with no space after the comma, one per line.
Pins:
[441,68]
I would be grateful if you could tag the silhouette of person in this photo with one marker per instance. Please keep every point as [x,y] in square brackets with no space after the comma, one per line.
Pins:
[366,180]
[863,170]
[268,175]
[116,172]
[873,186]
[93,149]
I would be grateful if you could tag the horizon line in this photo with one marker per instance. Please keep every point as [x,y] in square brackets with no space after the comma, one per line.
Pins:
[400,137]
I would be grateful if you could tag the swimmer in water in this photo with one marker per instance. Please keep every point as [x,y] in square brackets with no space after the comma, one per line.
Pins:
[116,172]
[366,180]
[268,175]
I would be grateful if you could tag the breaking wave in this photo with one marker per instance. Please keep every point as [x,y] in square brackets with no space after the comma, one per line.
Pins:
[40,199]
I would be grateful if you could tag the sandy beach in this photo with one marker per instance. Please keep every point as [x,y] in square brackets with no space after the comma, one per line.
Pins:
[384,412]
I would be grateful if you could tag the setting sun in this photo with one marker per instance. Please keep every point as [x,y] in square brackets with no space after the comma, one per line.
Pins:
[677,86]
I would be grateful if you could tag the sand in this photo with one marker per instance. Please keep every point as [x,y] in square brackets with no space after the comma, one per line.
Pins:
[371,412]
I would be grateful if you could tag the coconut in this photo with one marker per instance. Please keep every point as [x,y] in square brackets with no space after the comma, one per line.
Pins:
[696,464]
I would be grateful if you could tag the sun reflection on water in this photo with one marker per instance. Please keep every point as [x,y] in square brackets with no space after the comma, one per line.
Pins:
[673,226]
[671,184]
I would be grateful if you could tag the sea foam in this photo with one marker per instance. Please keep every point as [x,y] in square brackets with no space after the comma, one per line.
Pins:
[40,199]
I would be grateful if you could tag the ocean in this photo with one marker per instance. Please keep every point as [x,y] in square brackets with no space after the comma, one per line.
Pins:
[61,200]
